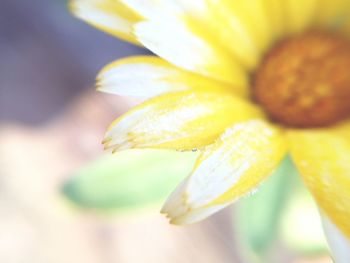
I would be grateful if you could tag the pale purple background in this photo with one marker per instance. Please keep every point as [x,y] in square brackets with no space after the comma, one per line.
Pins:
[47,57]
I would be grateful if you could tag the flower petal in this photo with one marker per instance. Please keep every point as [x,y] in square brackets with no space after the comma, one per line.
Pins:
[340,245]
[277,16]
[234,36]
[323,158]
[300,14]
[205,20]
[149,76]
[175,42]
[181,120]
[331,12]
[228,169]
[253,16]
[110,16]
[154,9]
[247,28]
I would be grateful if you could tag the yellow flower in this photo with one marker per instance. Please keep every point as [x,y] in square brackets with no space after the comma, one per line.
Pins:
[244,82]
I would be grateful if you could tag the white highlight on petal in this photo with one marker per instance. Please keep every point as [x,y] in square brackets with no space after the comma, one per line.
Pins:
[107,15]
[173,42]
[180,213]
[169,126]
[154,9]
[339,244]
[140,80]
[149,76]
[233,166]
[177,44]
[197,215]
[179,120]
[115,22]
[218,162]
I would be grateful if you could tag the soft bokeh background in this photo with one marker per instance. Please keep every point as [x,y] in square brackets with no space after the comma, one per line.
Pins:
[51,124]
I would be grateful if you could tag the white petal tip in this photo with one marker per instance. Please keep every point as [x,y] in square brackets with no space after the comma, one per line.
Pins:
[338,242]
[194,216]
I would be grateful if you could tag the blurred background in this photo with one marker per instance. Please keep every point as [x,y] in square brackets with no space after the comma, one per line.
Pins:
[63,200]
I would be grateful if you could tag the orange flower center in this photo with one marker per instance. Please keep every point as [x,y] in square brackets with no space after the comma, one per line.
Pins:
[305,80]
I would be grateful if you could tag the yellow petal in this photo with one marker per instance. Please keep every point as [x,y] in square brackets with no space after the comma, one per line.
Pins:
[177,43]
[110,16]
[181,32]
[323,158]
[149,9]
[331,12]
[252,15]
[149,76]
[181,120]
[276,16]
[300,14]
[247,28]
[155,9]
[233,35]
[202,20]
[233,166]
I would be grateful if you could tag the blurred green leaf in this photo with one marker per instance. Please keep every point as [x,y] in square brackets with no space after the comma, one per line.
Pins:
[301,227]
[129,179]
[259,214]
